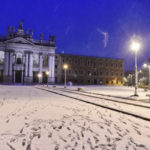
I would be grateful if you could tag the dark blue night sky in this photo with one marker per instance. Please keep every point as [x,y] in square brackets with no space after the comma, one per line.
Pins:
[80,25]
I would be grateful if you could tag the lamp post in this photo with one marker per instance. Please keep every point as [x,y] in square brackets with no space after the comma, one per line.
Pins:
[148,66]
[39,76]
[47,73]
[135,46]
[65,66]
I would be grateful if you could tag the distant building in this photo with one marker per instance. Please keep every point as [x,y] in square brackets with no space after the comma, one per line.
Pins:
[89,70]
[22,58]
[143,75]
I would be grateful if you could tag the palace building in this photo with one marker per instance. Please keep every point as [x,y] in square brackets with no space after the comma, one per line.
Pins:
[89,70]
[24,59]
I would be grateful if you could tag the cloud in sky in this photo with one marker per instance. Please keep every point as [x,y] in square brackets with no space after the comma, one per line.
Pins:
[105,34]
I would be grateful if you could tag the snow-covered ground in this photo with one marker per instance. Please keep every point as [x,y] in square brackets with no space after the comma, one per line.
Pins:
[121,91]
[31,119]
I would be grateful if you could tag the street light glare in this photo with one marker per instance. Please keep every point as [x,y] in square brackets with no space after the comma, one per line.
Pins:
[47,72]
[135,46]
[145,65]
[39,75]
[65,66]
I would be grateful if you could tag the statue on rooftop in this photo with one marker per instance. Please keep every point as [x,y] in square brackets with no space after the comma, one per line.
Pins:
[21,25]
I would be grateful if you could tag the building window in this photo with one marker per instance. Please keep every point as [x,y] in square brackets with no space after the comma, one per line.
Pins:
[45,60]
[76,72]
[70,61]
[81,61]
[89,72]
[55,66]
[107,73]
[94,64]
[106,81]
[81,72]
[1,57]
[18,61]
[35,60]
[19,58]
[101,73]
[75,61]
[91,63]
[101,65]
[69,71]
[95,73]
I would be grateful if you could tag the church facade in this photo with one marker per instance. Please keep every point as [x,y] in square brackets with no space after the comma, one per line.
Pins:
[24,59]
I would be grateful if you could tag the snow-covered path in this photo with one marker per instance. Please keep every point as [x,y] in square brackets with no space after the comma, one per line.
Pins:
[31,119]
[134,108]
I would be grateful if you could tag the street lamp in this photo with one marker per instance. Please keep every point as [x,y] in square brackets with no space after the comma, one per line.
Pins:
[65,66]
[39,76]
[47,73]
[135,46]
[148,66]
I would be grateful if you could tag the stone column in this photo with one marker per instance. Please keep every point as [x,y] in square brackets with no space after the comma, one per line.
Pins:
[51,68]
[31,65]
[40,66]
[26,64]
[6,64]
[10,64]
[14,79]
[14,58]
[22,76]
[28,67]
[6,67]
[23,59]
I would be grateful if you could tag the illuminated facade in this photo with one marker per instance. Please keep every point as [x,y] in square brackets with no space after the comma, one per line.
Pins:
[22,58]
[89,70]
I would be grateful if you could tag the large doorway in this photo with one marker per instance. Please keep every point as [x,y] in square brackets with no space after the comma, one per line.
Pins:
[35,77]
[95,81]
[18,77]
[45,77]
[1,76]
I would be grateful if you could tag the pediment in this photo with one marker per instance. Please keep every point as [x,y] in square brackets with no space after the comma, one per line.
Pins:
[19,40]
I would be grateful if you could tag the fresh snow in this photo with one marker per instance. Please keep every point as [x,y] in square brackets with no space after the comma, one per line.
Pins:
[121,91]
[32,119]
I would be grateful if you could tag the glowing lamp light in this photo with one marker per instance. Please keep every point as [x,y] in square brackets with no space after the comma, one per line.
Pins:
[140,71]
[145,65]
[47,72]
[65,66]
[135,46]
[39,75]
